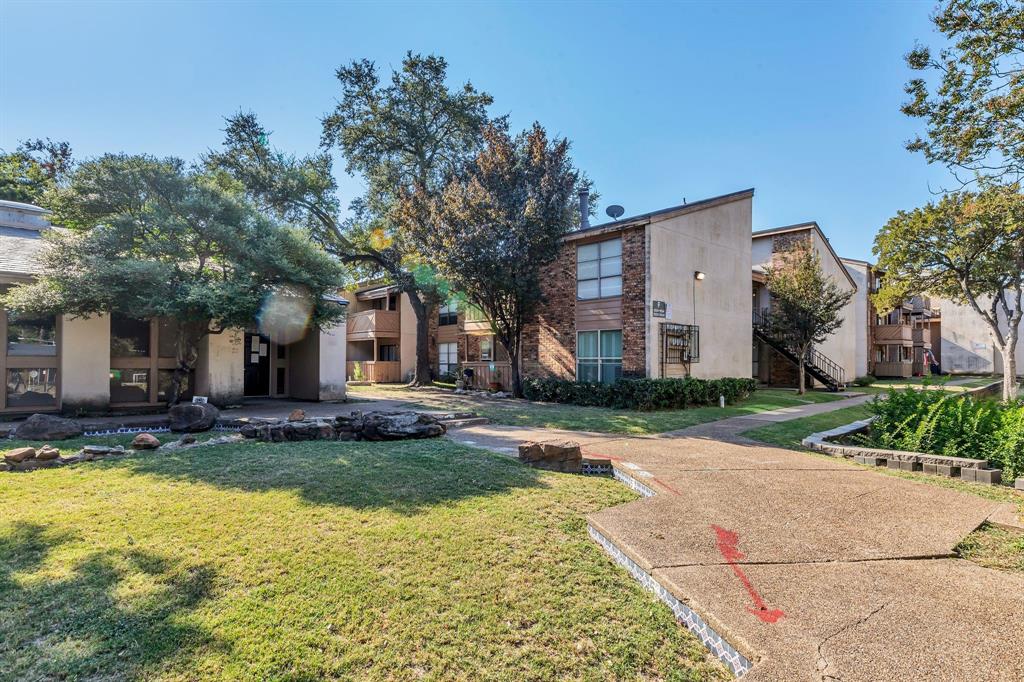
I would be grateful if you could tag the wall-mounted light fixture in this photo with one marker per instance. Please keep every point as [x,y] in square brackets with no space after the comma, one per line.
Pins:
[698,276]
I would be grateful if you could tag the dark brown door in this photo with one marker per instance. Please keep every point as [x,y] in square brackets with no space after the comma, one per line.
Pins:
[257,365]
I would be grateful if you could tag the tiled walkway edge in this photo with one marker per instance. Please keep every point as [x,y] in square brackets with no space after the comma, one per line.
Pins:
[725,652]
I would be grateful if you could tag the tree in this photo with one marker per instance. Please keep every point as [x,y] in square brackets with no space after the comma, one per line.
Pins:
[410,135]
[150,238]
[969,248]
[805,302]
[975,114]
[497,224]
[32,169]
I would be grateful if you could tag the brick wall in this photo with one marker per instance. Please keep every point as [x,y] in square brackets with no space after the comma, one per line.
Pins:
[634,302]
[549,340]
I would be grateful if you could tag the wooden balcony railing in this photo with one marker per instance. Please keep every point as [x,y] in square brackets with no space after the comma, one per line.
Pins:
[370,324]
[922,337]
[379,371]
[894,334]
[894,369]
[483,375]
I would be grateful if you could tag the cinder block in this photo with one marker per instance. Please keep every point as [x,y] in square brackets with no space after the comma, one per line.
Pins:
[968,474]
[945,470]
[930,469]
[893,464]
[990,476]
[1019,483]
[909,466]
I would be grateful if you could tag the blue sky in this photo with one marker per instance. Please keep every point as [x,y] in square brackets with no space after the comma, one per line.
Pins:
[662,101]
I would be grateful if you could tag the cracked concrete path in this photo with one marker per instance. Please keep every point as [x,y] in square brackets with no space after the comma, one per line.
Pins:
[860,565]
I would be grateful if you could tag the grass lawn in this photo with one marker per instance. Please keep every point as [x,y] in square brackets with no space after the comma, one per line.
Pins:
[994,547]
[308,561]
[572,417]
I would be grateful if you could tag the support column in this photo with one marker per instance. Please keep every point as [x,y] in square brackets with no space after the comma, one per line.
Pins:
[220,370]
[85,364]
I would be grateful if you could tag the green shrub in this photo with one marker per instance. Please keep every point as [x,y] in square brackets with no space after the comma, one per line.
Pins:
[640,394]
[957,426]
[865,380]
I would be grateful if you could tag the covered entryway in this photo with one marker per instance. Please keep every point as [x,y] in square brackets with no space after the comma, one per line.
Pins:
[257,365]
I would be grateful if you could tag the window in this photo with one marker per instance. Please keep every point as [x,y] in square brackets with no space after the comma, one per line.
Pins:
[387,352]
[129,385]
[129,338]
[486,349]
[474,314]
[599,356]
[31,334]
[448,314]
[32,387]
[448,358]
[599,269]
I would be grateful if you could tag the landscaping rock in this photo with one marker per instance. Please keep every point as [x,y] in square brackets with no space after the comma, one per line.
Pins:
[192,417]
[400,426]
[187,439]
[564,456]
[100,449]
[297,415]
[145,441]
[4,466]
[18,455]
[47,452]
[48,427]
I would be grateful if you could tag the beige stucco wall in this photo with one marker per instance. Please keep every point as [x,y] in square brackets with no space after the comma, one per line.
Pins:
[967,345]
[840,347]
[859,273]
[332,363]
[304,365]
[407,344]
[220,373]
[85,364]
[715,241]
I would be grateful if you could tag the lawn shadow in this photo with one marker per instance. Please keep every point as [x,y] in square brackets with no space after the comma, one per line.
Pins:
[403,477]
[86,624]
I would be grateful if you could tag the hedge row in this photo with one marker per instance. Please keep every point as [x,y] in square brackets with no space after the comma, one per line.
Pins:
[640,394]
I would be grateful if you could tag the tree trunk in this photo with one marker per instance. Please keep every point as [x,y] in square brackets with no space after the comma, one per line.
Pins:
[801,372]
[189,334]
[421,376]
[1010,388]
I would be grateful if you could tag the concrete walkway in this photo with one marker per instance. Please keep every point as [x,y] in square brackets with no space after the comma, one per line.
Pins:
[809,568]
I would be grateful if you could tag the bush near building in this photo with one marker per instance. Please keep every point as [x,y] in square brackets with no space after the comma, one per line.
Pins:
[640,394]
[958,426]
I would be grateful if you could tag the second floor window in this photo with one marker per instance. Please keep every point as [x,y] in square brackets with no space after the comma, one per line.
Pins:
[486,349]
[448,314]
[599,269]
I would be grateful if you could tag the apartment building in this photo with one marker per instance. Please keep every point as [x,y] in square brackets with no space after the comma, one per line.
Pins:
[833,363]
[966,345]
[662,294]
[95,364]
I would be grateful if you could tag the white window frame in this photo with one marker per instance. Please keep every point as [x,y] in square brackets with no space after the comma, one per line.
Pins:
[602,361]
[606,276]
[489,355]
[447,357]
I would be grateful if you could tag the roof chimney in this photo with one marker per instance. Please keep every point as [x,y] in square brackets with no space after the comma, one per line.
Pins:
[584,209]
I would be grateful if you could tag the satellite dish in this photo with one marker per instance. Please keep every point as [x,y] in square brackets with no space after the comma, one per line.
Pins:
[615,211]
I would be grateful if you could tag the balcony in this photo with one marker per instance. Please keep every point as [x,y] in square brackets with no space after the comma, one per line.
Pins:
[903,370]
[896,334]
[923,338]
[373,324]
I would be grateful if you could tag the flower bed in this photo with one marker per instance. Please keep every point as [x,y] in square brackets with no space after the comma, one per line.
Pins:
[955,426]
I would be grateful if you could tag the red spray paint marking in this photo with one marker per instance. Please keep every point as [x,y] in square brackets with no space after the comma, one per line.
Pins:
[727,545]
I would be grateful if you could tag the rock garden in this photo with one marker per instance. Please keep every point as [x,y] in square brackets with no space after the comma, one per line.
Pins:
[189,419]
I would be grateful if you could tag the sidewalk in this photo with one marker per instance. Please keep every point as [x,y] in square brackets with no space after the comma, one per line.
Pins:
[802,567]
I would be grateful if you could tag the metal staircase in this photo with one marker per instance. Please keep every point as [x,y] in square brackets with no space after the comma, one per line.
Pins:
[817,365]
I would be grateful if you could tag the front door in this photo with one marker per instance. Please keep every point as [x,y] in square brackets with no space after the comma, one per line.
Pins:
[257,365]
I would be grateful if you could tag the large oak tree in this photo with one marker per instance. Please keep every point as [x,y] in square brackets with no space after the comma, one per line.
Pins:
[967,247]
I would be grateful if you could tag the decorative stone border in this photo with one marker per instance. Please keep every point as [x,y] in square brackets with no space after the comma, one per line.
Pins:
[725,652]
[687,617]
